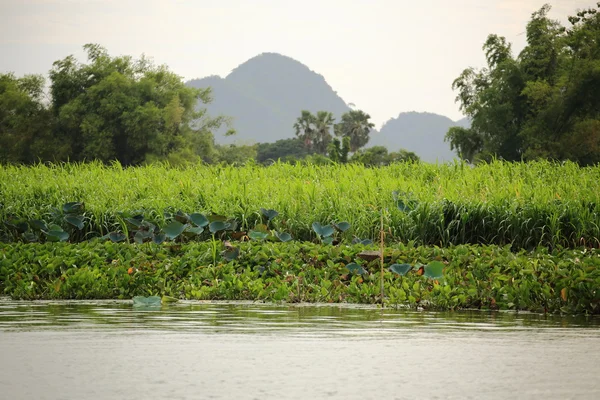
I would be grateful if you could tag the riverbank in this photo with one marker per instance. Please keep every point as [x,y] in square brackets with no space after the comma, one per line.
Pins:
[469,276]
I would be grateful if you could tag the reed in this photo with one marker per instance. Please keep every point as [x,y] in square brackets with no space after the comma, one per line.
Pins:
[522,204]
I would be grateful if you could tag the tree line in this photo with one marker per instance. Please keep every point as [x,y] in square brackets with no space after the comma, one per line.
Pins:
[112,108]
[131,111]
[543,103]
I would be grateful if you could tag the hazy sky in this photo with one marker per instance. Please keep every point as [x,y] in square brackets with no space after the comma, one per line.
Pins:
[385,56]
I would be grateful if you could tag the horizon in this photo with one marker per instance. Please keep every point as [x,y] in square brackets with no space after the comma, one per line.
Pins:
[376,76]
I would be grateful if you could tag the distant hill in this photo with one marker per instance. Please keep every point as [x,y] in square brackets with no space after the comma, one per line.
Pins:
[422,133]
[265,96]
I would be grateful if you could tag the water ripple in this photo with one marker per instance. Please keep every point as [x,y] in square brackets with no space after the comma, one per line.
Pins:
[245,317]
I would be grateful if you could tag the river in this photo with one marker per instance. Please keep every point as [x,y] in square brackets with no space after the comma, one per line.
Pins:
[194,350]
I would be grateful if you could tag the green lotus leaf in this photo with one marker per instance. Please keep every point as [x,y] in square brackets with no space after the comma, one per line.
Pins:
[194,230]
[199,219]
[400,269]
[75,220]
[434,270]
[57,236]
[158,238]
[327,240]
[342,226]
[270,214]
[231,253]
[356,269]
[142,237]
[38,224]
[256,235]
[151,301]
[116,237]
[73,207]
[283,236]
[217,226]
[182,217]
[173,229]
[136,222]
[322,230]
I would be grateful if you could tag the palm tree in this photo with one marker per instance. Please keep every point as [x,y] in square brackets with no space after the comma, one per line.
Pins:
[305,128]
[355,125]
[323,123]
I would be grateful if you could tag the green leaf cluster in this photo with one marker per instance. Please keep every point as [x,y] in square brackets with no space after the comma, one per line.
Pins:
[458,277]
[542,103]
[109,109]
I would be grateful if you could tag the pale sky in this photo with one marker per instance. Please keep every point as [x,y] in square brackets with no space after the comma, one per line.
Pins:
[385,56]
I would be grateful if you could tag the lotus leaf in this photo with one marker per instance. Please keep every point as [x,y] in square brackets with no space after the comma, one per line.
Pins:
[116,237]
[173,229]
[342,226]
[151,301]
[356,269]
[73,207]
[217,226]
[322,230]
[400,269]
[257,235]
[283,236]
[199,219]
[270,214]
[75,220]
[434,270]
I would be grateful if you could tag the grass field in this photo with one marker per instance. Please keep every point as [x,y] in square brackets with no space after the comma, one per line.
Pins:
[526,205]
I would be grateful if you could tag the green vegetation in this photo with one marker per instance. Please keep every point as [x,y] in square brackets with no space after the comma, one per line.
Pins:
[486,277]
[543,104]
[114,108]
[314,132]
[524,205]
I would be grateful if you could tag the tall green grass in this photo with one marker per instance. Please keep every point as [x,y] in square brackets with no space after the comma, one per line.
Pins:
[523,204]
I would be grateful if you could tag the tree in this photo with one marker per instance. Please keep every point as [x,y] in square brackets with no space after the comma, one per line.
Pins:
[323,123]
[465,141]
[338,151]
[25,122]
[117,108]
[492,99]
[305,129]
[284,149]
[236,154]
[378,156]
[355,125]
[403,155]
[542,104]
[314,130]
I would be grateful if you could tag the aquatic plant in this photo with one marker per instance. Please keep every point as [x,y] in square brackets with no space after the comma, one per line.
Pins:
[525,205]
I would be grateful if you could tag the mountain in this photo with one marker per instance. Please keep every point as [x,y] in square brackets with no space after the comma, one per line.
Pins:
[464,122]
[422,133]
[265,95]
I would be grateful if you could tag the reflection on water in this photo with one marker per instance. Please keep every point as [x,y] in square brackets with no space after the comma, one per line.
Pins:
[193,350]
[240,317]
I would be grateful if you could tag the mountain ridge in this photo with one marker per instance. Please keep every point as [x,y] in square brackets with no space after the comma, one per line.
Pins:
[266,94]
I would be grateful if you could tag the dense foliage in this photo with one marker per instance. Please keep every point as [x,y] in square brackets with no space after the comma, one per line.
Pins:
[314,130]
[524,205]
[114,108]
[484,277]
[544,103]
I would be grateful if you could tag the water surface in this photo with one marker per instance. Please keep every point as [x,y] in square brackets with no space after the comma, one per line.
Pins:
[192,350]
